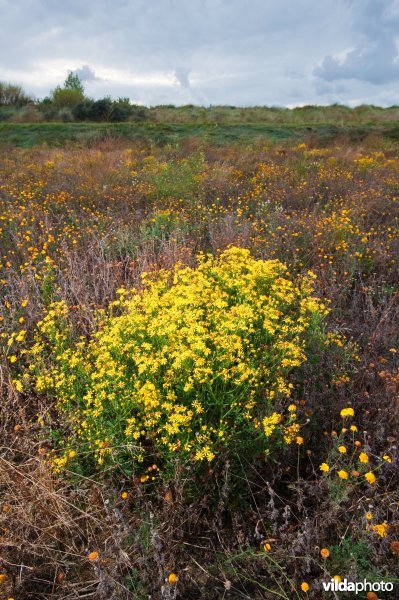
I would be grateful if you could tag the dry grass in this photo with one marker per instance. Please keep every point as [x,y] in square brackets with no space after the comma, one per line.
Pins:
[80,223]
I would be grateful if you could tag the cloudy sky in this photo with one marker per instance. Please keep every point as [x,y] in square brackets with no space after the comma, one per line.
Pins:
[238,52]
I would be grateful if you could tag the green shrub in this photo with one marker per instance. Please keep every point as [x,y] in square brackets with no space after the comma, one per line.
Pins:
[66,98]
[196,365]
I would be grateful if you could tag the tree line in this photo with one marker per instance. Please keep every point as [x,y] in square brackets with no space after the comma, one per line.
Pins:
[69,102]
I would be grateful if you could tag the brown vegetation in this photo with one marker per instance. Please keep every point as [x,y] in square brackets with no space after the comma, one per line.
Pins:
[79,223]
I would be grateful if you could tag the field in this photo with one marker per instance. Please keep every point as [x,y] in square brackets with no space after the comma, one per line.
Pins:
[199,349]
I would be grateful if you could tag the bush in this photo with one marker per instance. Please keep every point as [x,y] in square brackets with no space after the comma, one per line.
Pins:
[80,112]
[28,114]
[66,98]
[13,95]
[100,110]
[108,110]
[194,366]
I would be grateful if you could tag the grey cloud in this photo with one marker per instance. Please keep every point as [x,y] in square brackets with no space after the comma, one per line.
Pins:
[374,59]
[182,77]
[86,73]
[203,51]
[374,63]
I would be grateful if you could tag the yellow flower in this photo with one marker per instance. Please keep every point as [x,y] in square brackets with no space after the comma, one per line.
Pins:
[342,449]
[347,412]
[387,458]
[324,467]
[305,587]
[381,529]
[337,578]
[342,474]
[267,547]
[3,577]
[325,553]
[172,578]
[72,454]
[18,385]
[299,440]
[363,457]
[124,495]
[270,423]
[93,556]
[368,516]
[353,428]
[370,477]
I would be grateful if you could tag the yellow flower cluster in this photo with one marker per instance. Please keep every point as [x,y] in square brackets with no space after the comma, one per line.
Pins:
[347,412]
[190,364]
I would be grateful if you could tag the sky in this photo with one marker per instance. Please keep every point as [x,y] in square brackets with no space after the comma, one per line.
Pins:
[206,52]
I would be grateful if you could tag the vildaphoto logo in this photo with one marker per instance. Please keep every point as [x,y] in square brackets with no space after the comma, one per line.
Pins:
[357,586]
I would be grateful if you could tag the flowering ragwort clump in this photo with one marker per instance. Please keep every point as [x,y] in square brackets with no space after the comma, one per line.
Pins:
[194,365]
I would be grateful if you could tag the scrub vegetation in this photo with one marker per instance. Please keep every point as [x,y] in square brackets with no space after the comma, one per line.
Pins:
[199,354]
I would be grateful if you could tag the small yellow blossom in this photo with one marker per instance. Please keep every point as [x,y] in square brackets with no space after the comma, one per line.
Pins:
[267,547]
[370,477]
[342,474]
[305,587]
[368,516]
[387,458]
[342,449]
[363,457]
[347,412]
[381,529]
[324,467]
[172,578]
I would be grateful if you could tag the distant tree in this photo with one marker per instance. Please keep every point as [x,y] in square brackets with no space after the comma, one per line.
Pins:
[125,101]
[13,95]
[71,94]
[66,98]
[72,82]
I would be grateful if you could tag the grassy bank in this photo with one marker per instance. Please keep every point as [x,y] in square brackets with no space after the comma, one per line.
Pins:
[26,135]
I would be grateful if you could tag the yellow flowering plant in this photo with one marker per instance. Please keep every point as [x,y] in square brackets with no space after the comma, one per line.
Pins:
[196,364]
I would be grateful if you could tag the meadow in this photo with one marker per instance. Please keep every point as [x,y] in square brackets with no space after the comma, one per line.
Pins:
[199,359]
